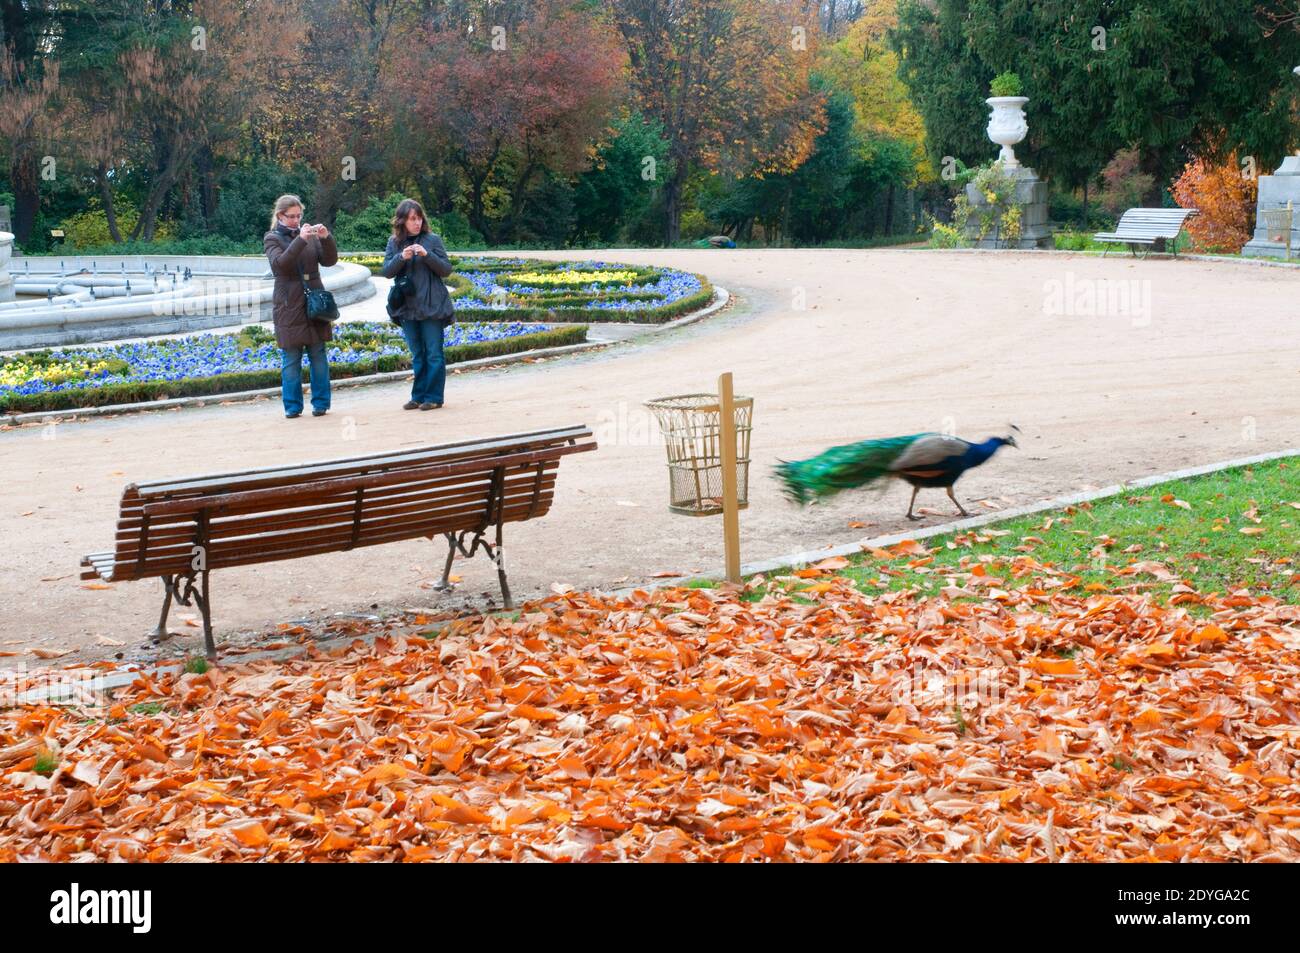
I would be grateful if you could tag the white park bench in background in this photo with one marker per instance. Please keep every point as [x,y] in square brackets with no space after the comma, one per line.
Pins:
[1141,227]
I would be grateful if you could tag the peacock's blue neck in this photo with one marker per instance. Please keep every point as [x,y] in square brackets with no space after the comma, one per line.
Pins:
[979,452]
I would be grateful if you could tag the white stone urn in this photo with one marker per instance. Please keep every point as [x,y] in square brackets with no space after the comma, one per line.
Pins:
[1007,126]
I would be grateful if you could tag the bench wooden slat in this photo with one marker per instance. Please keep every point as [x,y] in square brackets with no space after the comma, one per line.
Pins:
[383,461]
[184,534]
[271,495]
[180,562]
[346,491]
[393,495]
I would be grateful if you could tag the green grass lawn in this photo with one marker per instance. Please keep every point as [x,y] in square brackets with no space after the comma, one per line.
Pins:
[1235,528]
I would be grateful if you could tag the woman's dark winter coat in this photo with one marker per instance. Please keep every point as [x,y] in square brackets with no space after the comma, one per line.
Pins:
[286,250]
[431,299]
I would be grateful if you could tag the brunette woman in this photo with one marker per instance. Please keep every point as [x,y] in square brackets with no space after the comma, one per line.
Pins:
[427,310]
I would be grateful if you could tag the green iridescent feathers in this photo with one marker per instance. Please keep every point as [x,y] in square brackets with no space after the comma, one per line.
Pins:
[841,468]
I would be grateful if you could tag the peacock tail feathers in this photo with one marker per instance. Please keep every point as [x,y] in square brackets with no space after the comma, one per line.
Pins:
[841,468]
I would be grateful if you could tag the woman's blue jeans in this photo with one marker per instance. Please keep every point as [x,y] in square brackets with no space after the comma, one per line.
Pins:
[430,369]
[291,377]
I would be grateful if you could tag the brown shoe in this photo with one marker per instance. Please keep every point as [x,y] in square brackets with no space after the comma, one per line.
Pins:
[411,405]
[429,406]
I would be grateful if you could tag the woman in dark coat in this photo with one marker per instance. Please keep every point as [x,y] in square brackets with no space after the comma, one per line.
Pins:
[295,250]
[425,313]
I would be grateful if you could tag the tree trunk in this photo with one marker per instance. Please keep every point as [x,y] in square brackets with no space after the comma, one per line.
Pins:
[477,215]
[889,211]
[1083,209]
[673,205]
[27,196]
[106,198]
[208,196]
[785,215]
[328,198]
[518,201]
[1152,163]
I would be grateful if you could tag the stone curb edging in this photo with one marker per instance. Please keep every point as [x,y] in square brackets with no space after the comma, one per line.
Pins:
[721,298]
[848,549]
[1092,253]
[122,679]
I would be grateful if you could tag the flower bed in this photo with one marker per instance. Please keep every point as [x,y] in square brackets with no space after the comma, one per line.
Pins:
[538,290]
[244,360]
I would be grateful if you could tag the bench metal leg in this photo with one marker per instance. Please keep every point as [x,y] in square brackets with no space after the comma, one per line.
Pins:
[183,590]
[451,555]
[169,587]
[456,542]
[499,559]
[205,605]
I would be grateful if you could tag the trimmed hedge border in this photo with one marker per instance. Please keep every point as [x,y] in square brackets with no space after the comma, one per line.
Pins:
[137,392]
[563,308]
[660,315]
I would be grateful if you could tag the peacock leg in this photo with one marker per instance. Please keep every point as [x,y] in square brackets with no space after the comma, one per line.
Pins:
[960,508]
[912,504]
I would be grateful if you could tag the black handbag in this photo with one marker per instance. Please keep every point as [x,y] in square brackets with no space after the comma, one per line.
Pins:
[402,288]
[320,303]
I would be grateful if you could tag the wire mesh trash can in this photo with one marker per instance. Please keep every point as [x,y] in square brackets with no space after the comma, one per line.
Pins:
[692,429]
[1277,222]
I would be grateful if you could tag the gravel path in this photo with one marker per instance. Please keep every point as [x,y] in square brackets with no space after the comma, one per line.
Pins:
[835,345]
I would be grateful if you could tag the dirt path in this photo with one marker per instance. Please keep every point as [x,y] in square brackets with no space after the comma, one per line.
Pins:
[888,342]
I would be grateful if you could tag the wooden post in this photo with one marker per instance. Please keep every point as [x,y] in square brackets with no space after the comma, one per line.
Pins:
[730,503]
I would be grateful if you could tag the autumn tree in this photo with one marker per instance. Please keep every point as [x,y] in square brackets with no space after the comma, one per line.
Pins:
[863,65]
[1224,198]
[160,91]
[512,99]
[728,80]
[29,120]
[331,102]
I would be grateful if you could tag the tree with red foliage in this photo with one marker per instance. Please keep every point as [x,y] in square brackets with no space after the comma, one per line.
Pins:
[509,100]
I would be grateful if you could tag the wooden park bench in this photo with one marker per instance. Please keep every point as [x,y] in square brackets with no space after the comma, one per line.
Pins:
[1142,227]
[180,530]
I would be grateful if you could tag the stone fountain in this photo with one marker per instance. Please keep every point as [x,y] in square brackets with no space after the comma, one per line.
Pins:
[75,299]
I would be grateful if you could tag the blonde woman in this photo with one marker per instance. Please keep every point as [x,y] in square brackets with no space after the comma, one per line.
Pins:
[296,251]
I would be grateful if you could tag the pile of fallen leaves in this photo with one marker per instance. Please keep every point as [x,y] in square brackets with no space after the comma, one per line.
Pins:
[819,723]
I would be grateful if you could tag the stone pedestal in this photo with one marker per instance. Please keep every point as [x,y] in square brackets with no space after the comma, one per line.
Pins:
[1031,196]
[6,279]
[1274,192]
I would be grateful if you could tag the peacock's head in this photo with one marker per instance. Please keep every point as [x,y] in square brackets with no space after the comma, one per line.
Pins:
[1010,438]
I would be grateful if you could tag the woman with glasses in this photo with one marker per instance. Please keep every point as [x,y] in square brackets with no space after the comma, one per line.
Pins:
[296,252]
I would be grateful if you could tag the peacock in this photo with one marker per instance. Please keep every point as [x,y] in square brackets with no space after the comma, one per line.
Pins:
[922,459]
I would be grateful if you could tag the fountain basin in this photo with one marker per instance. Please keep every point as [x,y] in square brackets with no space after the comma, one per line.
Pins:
[68,299]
